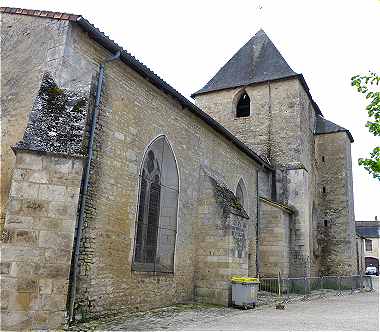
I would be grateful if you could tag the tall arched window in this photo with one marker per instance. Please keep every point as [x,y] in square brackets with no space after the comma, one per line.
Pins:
[241,194]
[156,226]
[243,106]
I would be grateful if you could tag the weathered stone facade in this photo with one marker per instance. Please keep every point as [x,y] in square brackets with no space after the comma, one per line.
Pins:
[37,240]
[217,236]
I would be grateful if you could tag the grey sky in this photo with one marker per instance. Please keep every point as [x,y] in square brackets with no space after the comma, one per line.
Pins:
[186,42]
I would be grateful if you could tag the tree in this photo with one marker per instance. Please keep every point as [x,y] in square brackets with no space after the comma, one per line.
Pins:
[369,86]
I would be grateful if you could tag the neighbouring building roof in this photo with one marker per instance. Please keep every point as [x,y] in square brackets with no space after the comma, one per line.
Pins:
[368,228]
[323,126]
[140,68]
[370,231]
[257,61]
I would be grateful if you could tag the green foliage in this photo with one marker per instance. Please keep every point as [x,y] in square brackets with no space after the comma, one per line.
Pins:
[369,86]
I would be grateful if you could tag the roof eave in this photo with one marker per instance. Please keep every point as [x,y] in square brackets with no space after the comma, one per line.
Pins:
[128,59]
[350,137]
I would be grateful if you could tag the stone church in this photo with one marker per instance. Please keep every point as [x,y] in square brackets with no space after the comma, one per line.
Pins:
[118,193]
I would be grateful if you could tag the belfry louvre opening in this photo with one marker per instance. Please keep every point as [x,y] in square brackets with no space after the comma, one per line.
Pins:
[156,225]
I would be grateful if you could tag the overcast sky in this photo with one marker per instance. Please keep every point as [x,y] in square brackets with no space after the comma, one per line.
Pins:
[186,42]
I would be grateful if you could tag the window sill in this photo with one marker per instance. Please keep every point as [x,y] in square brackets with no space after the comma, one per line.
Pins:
[150,269]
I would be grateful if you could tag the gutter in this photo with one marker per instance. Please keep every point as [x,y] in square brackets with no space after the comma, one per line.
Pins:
[84,187]
[154,79]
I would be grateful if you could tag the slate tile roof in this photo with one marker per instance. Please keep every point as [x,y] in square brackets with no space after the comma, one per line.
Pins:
[257,61]
[144,71]
[324,126]
[373,231]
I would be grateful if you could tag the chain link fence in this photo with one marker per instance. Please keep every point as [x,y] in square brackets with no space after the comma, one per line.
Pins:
[288,289]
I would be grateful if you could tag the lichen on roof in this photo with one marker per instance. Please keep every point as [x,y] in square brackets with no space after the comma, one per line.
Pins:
[57,120]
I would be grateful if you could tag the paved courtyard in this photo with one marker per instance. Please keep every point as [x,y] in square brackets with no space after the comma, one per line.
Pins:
[359,311]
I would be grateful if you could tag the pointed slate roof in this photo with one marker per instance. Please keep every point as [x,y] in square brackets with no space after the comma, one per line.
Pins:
[257,61]
[323,126]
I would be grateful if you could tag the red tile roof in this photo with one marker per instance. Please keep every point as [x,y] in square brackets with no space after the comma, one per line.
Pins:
[40,13]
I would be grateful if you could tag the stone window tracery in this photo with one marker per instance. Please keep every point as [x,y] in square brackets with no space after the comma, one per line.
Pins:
[241,194]
[156,225]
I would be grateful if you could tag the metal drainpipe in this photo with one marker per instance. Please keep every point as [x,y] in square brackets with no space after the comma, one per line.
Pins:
[84,188]
[257,225]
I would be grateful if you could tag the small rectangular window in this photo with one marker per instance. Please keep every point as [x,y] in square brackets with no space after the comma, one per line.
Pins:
[325,223]
[323,158]
[368,245]
[324,189]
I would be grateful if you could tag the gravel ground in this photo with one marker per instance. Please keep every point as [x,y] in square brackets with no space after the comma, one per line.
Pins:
[359,311]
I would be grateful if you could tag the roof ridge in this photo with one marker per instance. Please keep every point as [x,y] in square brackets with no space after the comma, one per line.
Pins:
[103,40]
[258,60]
[40,13]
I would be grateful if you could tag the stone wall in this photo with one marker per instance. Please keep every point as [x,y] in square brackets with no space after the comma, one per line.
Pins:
[223,242]
[274,238]
[280,128]
[25,43]
[37,240]
[133,113]
[336,229]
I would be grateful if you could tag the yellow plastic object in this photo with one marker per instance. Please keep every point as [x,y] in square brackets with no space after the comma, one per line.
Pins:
[244,279]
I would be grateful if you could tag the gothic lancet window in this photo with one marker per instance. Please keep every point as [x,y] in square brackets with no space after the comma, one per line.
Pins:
[243,106]
[241,194]
[156,225]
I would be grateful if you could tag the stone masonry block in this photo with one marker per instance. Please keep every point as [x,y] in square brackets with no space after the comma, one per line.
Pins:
[46,286]
[28,161]
[26,285]
[15,321]
[5,267]
[20,222]
[62,210]
[52,193]
[23,190]
[21,254]
[39,176]
[57,256]
[52,271]
[53,302]
[54,240]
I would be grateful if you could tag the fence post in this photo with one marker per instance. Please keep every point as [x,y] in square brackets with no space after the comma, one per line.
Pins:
[352,284]
[304,284]
[321,286]
[340,285]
